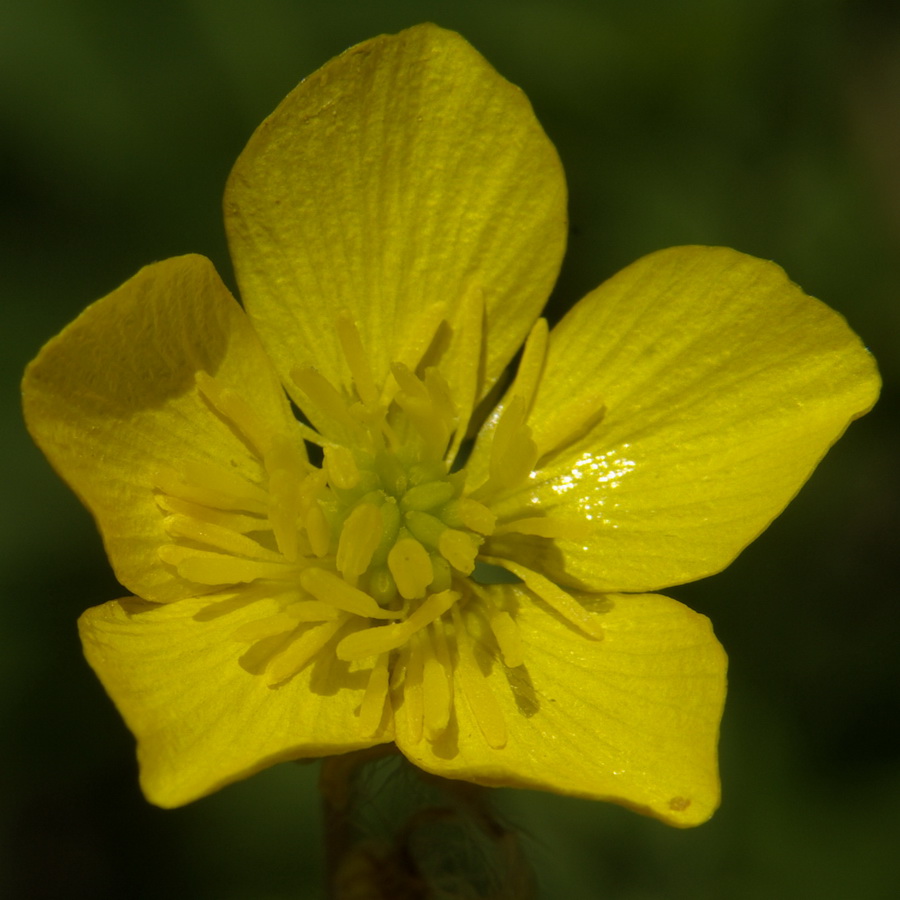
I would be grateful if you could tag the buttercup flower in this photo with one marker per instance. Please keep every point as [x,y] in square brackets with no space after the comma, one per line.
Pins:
[426,553]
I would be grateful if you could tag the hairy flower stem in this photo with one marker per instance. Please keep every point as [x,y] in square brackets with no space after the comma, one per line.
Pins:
[394,833]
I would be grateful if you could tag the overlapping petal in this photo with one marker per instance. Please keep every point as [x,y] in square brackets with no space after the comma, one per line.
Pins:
[112,402]
[201,720]
[632,718]
[405,181]
[723,386]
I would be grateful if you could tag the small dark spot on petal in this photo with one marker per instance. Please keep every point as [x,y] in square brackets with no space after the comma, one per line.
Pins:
[679,804]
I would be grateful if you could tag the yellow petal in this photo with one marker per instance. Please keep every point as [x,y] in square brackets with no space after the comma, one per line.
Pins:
[632,719]
[724,385]
[177,682]
[112,402]
[401,177]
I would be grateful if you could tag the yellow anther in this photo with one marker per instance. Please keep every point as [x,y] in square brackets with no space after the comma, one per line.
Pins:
[215,537]
[476,688]
[410,384]
[513,452]
[211,485]
[357,360]
[436,686]
[206,567]
[285,621]
[392,472]
[467,351]
[329,588]
[326,405]
[410,565]
[300,651]
[568,425]
[343,472]
[546,526]
[233,407]
[318,530]
[506,633]
[443,574]
[234,521]
[286,470]
[425,527]
[372,709]
[421,333]
[373,641]
[470,513]
[531,367]
[382,585]
[359,540]
[427,496]
[414,688]
[554,596]
[459,549]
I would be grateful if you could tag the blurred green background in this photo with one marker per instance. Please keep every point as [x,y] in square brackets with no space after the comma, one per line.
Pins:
[769,125]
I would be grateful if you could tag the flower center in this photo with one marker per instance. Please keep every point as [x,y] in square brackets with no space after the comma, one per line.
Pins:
[368,558]
[399,525]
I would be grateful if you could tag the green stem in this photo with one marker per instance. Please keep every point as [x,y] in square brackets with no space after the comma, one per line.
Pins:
[393,832]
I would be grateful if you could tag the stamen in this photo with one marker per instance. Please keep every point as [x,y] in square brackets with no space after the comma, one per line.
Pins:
[459,549]
[285,621]
[318,531]
[329,588]
[423,497]
[423,409]
[232,521]
[326,407]
[359,540]
[570,424]
[420,335]
[357,360]
[414,688]
[343,473]
[443,574]
[425,527]
[371,710]
[382,585]
[546,526]
[467,361]
[410,565]
[372,641]
[471,513]
[218,538]
[531,366]
[441,396]
[513,452]
[211,485]
[233,407]
[436,686]
[300,651]
[286,470]
[507,635]
[554,596]
[479,696]
[218,569]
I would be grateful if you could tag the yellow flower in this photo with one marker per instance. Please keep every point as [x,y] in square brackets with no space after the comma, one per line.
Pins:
[396,226]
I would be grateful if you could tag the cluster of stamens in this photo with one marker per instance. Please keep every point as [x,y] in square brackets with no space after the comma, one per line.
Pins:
[370,555]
